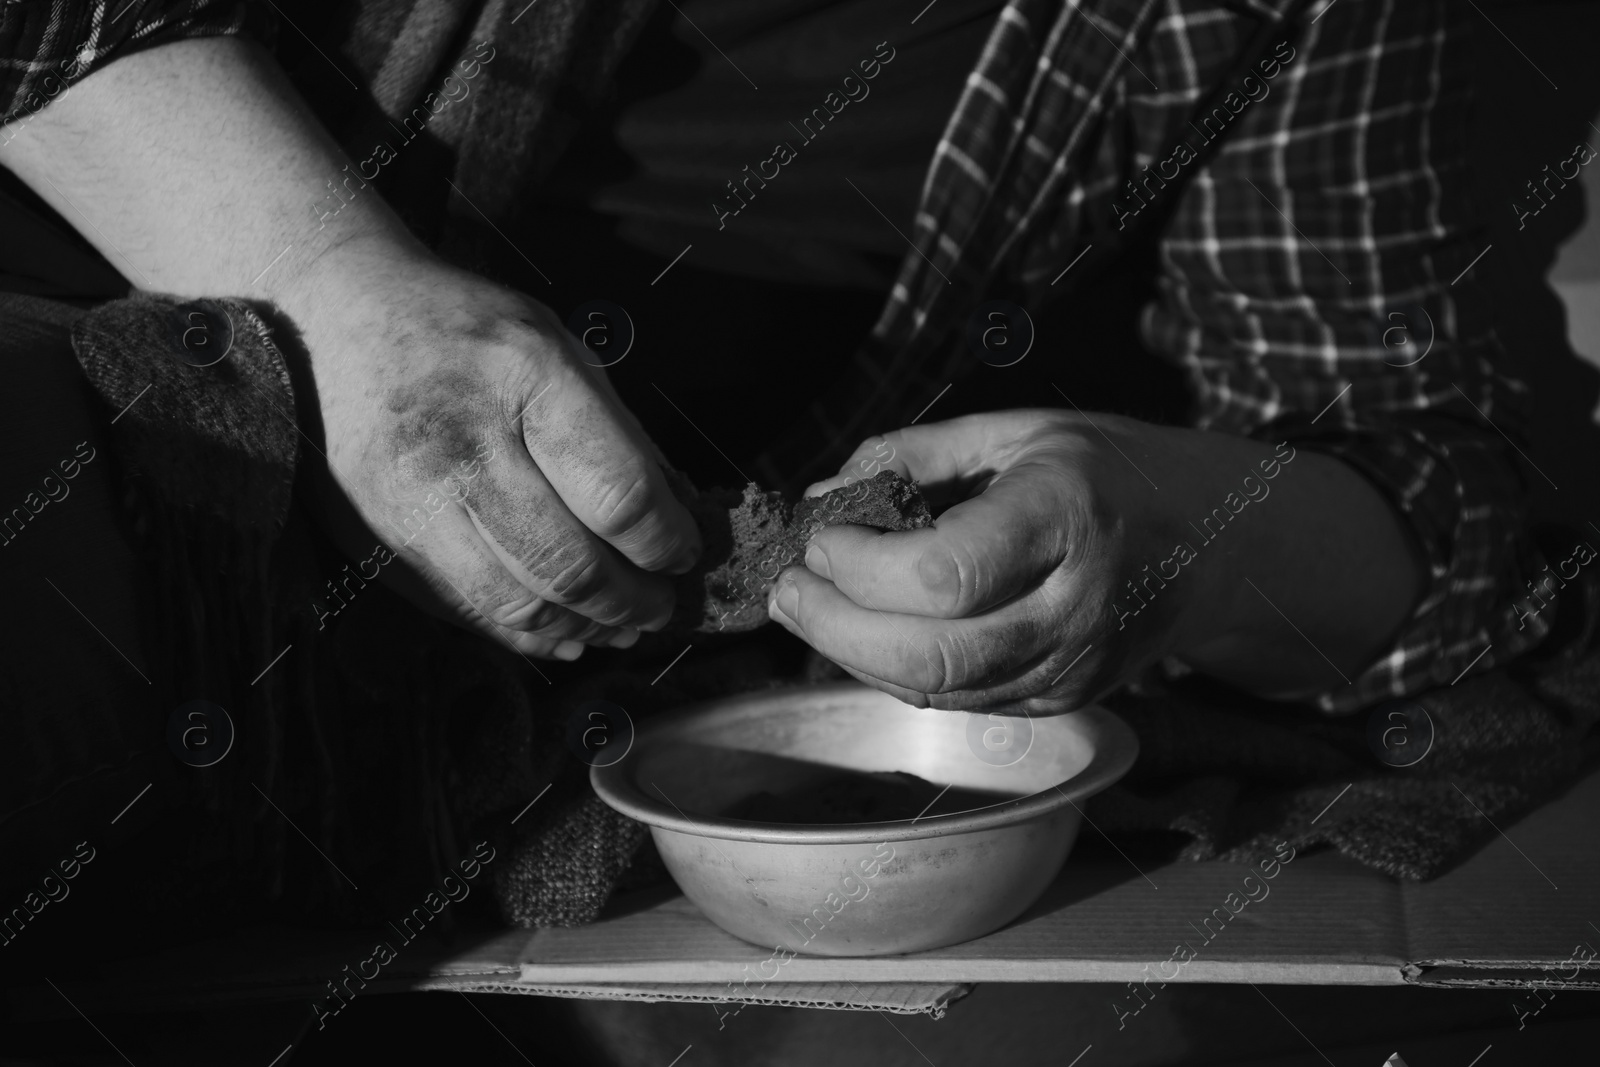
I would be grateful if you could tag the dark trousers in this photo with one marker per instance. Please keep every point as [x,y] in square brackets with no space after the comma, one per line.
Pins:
[76,708]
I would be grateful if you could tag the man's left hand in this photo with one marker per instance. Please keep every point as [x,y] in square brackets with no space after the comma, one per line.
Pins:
[1071,558]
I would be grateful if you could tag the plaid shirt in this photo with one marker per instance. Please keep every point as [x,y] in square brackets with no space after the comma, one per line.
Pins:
[44,47]
[1338,200]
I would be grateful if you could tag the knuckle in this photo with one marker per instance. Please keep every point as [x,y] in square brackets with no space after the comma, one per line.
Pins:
[576,577]
[421,459]
[949,578]
[431,428]
[586,631]
[957,701]
[568,627]
[944,664]
[870,445]
[508,612]
[623,506]
[544,618]
[953,662]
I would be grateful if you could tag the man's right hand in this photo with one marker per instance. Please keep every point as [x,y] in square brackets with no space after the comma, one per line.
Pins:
[468,436]
[196,169]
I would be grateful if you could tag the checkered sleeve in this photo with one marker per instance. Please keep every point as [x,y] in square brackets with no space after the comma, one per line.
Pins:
[46,47]
[1318,287]
[1316,279]
[1438,455]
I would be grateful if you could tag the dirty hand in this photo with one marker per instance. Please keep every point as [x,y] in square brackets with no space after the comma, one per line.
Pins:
[518,494]
[1061,569]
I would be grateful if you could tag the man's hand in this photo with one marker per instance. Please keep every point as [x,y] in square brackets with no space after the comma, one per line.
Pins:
[468,435]
[1062,568]
[462,431]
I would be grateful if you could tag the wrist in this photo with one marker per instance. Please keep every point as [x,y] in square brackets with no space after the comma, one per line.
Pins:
[1224,503]
[321,280]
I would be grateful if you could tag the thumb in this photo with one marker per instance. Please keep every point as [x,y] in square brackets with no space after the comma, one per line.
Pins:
[932,455]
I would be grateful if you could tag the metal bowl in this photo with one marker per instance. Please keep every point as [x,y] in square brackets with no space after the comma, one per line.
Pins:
[863,888]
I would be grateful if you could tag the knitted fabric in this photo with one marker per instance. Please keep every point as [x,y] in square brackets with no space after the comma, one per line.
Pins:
[1236,776]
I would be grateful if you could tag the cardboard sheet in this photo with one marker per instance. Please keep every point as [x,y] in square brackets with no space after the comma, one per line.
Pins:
[901,998]
[283,965]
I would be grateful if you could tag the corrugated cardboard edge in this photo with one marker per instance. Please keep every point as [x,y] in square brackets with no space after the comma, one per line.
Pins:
[944,970]
[1498,974]
[899,998]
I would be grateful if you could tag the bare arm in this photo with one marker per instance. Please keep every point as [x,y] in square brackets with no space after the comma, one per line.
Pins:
[190,167]
[196,170]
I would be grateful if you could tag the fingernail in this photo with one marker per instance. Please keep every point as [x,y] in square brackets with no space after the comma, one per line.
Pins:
[787,599]
[568,650]
[817,562]
[624,639]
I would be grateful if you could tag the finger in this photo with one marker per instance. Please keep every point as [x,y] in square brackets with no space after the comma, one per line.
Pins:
[983,552]
[525,645]
[422,584]
[1035,688]
[609,389]
[599,465]
[934,454]
[557,622]
[871,458]
[573,630]
[1015,695]
[541,545]
[917,653]
[623,638]
[447,556]
[900,693]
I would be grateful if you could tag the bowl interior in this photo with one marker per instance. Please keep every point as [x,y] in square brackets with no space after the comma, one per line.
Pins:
[850,754]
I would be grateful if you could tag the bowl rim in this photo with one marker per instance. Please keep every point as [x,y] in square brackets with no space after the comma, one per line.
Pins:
[1116,747]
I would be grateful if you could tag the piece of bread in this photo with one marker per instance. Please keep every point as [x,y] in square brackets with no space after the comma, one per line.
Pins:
[751,538]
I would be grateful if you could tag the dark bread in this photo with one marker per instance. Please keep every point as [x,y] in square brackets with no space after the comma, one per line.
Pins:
[751,537]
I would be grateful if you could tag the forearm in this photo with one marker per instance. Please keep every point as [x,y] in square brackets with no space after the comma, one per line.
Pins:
[1304,576]
[196,170]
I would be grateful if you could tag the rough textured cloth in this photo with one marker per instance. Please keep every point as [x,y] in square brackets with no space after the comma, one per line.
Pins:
[1236,776]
